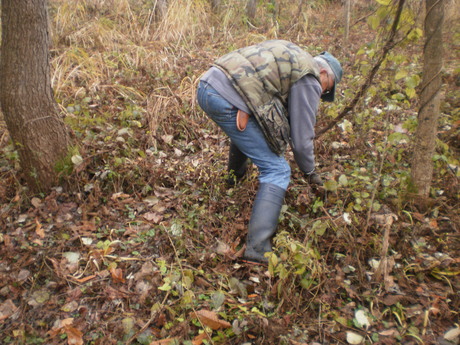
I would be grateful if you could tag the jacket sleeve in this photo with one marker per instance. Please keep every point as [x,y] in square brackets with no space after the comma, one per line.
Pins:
[303,105]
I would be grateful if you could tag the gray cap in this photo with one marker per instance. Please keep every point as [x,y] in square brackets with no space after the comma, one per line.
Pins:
[337,69]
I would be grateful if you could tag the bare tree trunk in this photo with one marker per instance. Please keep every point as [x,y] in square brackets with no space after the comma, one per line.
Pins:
[251,8]
[161,8]
[26,97]
[215,5]
[430,98]
[347,19]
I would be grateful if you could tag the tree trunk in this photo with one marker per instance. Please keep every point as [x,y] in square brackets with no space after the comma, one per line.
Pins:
[251,8]
[425,137]
[26,97]
[347,14]
[161,8]
[215,6]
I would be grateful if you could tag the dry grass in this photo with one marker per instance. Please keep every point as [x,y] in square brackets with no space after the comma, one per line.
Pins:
[94,41]
[121,55]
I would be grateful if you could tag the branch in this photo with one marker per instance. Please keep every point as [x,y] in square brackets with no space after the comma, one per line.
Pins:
[385,50]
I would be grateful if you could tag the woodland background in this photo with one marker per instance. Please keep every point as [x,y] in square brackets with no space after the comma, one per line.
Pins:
[139,243]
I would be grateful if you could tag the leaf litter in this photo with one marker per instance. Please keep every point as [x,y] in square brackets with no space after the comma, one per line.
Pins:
[146,250]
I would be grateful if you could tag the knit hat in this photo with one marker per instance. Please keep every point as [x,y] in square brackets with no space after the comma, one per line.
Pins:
[337,69]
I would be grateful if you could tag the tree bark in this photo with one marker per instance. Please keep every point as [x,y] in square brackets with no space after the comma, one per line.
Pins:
[347,14]
[251,8]
[430,99]
[26,97]
[215,6]
[160,8]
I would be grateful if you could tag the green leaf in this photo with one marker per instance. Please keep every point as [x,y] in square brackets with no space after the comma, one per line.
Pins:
[411,93]
[217,299]
[317,204]
[401,74]
[415,34]
[128,324]
[374,22]
[343,180]
[331,186]
[188,297]
[396,137]
[258,312]
[413,81]
[319,227]
[307,283]
[166,286]
[398,96]
[384,2]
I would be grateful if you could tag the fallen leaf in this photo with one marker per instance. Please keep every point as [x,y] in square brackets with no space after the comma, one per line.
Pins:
[36,202]
[86,241]
[392,299]
[39,229]
[167,138]
[86,226]
[198,340]
[153,217]
[128,325]
[210,319]
[390,333]
[7,309]
[23,275]
[419,217]
[119,195]
[151,200]
[72,257]
[117,275]
[38,297]
[361,319]
[85,279]
[222,248]
[59,325]
[38,242]
[297,343]
[69,307]
[452,334]
[354,338]
[167,341]
[74,336]
[434,224]
[217,299]
[238,287]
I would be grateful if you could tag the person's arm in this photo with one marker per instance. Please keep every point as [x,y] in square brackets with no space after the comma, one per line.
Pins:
[303,105]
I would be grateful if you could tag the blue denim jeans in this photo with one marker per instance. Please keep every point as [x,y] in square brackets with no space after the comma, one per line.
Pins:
[273,169]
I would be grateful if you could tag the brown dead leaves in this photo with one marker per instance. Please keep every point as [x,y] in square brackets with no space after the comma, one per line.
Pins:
[117,275]
[74,335]
[7,309]
[210,319]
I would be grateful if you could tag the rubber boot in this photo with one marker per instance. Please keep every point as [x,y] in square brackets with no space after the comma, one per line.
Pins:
[237,165]
[263,223]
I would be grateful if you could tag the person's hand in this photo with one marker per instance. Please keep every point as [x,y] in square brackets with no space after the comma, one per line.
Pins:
[314,179]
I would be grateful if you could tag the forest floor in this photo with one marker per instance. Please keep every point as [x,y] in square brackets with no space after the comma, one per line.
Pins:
[141,242]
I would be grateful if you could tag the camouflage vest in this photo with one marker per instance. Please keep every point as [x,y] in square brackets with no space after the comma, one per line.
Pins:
[263,75]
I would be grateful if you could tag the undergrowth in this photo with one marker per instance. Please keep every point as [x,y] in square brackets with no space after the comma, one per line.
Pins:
[148,233]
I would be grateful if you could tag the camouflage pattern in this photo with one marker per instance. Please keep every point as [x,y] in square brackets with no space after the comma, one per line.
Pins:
[263,75]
